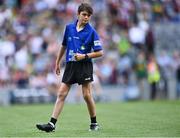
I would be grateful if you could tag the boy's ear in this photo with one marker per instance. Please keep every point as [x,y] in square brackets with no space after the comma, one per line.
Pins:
[78,15]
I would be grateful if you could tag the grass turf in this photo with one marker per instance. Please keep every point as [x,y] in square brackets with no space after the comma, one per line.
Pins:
[140,119]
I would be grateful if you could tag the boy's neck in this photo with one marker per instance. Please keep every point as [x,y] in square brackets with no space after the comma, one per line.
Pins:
[80,26]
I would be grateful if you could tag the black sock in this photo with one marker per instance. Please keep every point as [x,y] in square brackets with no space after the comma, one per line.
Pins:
[53,120]
[93,119]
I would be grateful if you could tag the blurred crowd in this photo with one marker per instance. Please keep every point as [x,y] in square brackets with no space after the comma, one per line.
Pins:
[31,33]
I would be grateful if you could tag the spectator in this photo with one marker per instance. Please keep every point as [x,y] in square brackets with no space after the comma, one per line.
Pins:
[153,76]
[178,82]
[141,73]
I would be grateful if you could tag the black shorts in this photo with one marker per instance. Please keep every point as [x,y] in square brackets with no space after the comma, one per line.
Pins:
[78,72]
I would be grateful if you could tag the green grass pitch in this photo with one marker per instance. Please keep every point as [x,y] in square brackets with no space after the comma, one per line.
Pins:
[123,119]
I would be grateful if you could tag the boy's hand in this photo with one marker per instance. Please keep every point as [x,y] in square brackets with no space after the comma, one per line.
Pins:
[79,56]
[57,69]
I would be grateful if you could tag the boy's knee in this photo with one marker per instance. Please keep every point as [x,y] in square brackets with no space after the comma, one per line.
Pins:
[61,95]
[86,96]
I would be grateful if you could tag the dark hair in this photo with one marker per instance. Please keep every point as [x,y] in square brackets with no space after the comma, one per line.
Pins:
[85,7]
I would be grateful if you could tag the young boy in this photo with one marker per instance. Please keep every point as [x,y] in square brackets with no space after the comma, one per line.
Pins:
[81,43]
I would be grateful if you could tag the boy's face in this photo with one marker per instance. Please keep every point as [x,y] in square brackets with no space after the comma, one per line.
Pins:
[84,17]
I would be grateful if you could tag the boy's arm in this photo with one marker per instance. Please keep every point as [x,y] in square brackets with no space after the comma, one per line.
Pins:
[95,54]
[58,59]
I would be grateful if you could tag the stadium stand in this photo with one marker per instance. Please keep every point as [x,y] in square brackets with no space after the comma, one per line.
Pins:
[31,33]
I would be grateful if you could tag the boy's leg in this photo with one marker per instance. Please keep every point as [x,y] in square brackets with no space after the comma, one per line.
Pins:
[86,89]
[61,96]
